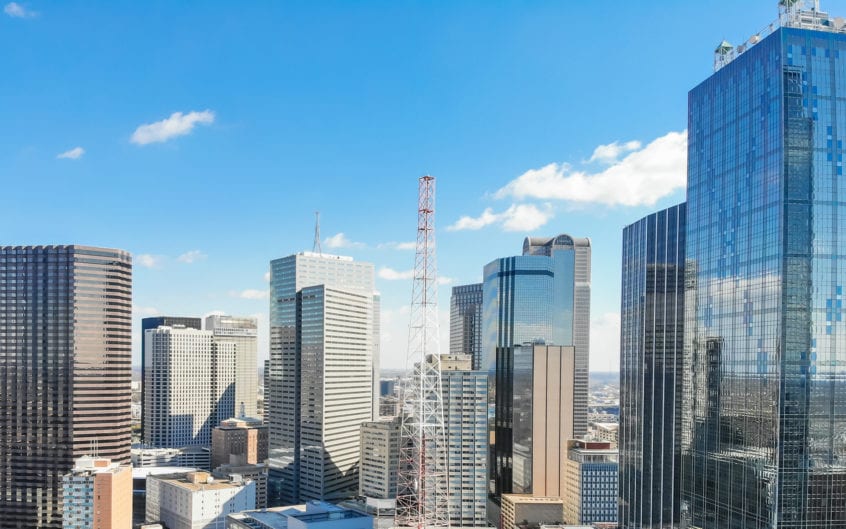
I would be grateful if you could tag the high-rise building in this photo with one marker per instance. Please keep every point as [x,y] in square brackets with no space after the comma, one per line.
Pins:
[154,323]
[763,440]
[465,322]
[465,397]
[542,296]
[242,331]
[65,371]
[379,459]
[590,483]
[239,442]
[320,385]
[97,494]
[189,381]
[543,417]
[652,339]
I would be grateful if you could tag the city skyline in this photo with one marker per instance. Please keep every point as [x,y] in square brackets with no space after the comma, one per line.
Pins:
[321,95]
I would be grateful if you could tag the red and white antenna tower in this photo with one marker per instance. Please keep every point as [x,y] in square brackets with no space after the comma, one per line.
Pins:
[422,487]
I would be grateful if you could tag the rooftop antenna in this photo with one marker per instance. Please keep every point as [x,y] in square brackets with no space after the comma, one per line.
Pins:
[316,248]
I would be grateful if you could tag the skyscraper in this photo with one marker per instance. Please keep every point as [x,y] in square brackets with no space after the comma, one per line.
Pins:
[465,394]
[542,296]
[65,371]
[379,459]
[243,333]
[153,323]
[320,386]
[465,322]
[652,325]
[764,442]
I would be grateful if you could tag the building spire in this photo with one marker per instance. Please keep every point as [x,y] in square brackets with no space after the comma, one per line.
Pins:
[316,247]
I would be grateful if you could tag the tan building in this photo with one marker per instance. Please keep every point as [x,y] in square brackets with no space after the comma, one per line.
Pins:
[543,399]
[377,475]
[239,442]
[195,500]
[523,510]
[97,494]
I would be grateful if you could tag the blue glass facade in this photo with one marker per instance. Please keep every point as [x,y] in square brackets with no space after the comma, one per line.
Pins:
[651,344]
[542,296]
[764,432]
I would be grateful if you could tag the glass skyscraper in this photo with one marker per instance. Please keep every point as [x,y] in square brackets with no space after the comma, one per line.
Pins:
[542,296]
[465,322]
[764,432]
[651,344]
[65,371]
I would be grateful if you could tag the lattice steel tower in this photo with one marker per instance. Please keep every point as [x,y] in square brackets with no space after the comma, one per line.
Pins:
[422,495]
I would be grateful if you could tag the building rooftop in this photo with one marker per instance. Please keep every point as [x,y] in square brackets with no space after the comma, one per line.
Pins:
[311,512]
[197,481]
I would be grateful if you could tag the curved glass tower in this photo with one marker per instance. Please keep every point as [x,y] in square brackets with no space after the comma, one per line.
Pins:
[542,296]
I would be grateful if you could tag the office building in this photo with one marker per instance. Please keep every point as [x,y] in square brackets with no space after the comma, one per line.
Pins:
[182,386]
[65,370]
[763,417]
[379,459]
[465,322]
[312,515]
[239,441]
[154,323]
[243,332]
[544,392]
[652,338]
[523,511]
[256,473]
[465,400]
[97,494]
[542,296]
[196,500]
[320,386]
[590,483]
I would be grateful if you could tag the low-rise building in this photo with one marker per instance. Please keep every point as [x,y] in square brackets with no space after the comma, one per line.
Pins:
[256,473]
[312,515]
[239,441]
[196,500]
[524,511]
[189,456]
[590,489]
[97,494]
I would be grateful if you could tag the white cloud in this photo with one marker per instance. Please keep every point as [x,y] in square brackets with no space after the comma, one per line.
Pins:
[250,293]
[518,217]
[148,260]
[642,178]
[267,277]
[73,154]
[191,257]
[178,124]
[15,10]
[605,342]
[443,280]
[399,245]
[610,153]
[340,241]
[393,275]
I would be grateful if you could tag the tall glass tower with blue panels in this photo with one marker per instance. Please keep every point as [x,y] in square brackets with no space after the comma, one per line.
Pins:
[764,415]
[542,296]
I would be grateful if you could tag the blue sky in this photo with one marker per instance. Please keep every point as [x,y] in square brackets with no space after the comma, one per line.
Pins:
[202,136]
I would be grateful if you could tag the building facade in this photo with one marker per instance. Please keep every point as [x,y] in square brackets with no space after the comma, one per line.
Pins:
[530,512]
[763,417]
[239,442]
[195,500]
[542,296]
[465,322]
[320,386]
[97,494]
[65,371]
[590,488]
[379,459]
[544,392]
[465,400]
[651,344]
[243,333]
[154,323]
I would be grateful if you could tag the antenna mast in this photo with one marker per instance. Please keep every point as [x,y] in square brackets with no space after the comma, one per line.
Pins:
[316,247]
[422,493]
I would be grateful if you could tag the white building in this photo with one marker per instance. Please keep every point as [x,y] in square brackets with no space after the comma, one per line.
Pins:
[195,500]
[243,333]
[320,377]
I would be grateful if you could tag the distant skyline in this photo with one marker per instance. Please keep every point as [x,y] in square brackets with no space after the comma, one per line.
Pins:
[202,137]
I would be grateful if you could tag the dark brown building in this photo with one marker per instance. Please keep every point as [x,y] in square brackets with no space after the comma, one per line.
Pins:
[239,442]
